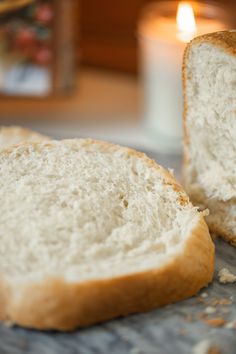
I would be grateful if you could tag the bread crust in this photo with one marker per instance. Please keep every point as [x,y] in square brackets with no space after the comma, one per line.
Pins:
[225,40]
[57,304]
[24,134]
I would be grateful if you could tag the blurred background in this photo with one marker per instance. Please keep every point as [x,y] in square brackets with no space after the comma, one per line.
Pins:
[104,69]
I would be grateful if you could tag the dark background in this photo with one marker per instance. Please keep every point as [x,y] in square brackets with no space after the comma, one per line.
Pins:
[107,32]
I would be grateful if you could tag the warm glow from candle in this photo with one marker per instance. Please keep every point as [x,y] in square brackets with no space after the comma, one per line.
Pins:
[186,23]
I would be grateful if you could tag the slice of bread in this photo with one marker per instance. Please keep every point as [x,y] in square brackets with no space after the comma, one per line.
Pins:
[209,78]
[15,135]
[90,231]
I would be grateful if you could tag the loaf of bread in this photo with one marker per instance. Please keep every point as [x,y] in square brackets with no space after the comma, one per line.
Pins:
[90,231]
[15,135]
[209,78]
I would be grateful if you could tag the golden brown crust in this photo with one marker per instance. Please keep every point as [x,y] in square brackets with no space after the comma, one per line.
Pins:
[227,41]
[57,304]
[223,39]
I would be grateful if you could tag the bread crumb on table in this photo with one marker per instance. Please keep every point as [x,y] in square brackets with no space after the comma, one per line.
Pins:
[215,322]
[210,309]
[225,276]
[220,302]
[231,325]
[205,347]
[204,295]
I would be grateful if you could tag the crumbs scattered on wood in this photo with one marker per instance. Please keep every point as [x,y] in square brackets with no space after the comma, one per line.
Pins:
[231,325]
[219,302]
[205,347]
[225,276]
[210,309]
[215,322]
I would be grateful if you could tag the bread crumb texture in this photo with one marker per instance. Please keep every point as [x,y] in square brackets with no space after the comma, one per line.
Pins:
[210,122]
[68,206]
[90,231]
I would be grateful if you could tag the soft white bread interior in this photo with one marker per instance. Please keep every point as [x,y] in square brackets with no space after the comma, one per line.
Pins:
[90,231]
[209,74]
[15,135]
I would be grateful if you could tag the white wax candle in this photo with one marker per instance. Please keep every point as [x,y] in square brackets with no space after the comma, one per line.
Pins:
[161,54]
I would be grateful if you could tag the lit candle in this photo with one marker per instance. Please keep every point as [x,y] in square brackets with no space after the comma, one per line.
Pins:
[164,32]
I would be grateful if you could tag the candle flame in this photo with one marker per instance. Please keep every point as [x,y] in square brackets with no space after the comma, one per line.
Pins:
[186,23]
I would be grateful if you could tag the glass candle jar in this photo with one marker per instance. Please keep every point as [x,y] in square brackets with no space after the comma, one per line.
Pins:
[164,29]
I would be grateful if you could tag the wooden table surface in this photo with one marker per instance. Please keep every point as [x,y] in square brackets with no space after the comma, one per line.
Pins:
[174,329]
[98,96]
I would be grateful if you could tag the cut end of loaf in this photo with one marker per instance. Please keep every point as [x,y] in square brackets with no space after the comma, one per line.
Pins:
[98,231]
[86,202]
[209,74]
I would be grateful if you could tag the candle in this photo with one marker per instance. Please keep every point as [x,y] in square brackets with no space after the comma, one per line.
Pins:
[163,34]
